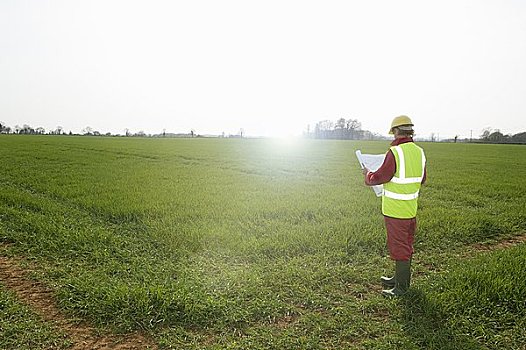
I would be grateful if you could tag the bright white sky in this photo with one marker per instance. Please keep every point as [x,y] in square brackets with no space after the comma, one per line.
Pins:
[269,67]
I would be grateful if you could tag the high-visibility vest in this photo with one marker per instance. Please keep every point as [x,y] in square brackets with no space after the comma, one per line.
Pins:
[400,195]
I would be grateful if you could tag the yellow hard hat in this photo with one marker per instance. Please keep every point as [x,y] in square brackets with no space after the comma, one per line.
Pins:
[399,121]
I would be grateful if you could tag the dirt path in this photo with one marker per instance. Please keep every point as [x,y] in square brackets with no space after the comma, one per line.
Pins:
[40,299]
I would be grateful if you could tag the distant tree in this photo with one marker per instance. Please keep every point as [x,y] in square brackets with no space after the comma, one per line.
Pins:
[367,135]
[58,130]
[4,129]
[348,129]
[127,132]
[340,129]
[323,129]
[496,136]
[87,131]
[353,126]
[40,131]
[27,130]
[520,137]
[317,131]
[485,133]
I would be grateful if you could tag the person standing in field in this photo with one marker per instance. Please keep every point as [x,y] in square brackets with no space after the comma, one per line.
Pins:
[402,173]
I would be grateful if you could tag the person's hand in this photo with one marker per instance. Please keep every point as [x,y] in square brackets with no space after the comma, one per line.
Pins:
[365,171]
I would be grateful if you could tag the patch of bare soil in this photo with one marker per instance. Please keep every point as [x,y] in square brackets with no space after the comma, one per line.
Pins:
[503,244]
[41,300]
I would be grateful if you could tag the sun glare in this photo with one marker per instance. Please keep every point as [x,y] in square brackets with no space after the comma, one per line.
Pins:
[287,142]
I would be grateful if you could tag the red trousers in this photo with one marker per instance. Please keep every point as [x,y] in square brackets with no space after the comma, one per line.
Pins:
[400,237]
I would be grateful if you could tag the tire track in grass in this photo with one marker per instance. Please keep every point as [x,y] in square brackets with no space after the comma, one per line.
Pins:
[42,302]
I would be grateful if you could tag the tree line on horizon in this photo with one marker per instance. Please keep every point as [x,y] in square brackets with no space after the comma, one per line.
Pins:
[495,136]
[344,129]
[26,129]
[87,131]
[341,129]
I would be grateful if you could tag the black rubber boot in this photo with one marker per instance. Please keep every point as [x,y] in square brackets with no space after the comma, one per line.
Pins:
[402,280]
[388,282]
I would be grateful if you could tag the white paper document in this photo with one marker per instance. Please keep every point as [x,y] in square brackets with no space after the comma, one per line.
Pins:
[372,162]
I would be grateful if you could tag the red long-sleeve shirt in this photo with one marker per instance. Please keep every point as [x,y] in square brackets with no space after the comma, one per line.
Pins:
[386,172]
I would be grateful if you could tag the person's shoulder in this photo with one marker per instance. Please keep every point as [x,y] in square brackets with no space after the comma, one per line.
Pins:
[417,146]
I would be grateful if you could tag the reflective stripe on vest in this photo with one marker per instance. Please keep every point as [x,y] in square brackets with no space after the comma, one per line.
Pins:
[401,197]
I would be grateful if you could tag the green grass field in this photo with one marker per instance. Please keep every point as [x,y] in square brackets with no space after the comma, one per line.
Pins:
[261,244]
